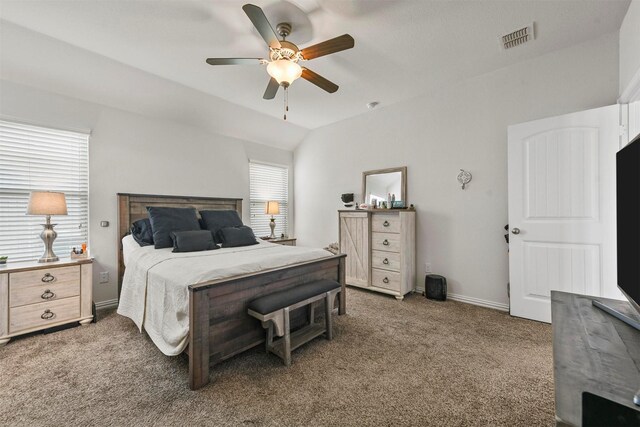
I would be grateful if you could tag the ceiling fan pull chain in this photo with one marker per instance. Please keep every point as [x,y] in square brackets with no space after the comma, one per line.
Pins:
[286,102]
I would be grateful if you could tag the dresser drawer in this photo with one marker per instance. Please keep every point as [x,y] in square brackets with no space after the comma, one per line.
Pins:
[385,260]
[385,223]
[45,276]
[37,316]
[385,279]
[388,242]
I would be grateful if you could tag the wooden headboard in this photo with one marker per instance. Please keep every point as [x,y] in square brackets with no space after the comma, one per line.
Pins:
[132,207]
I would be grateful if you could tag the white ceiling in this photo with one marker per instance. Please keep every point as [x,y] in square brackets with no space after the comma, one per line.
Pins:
[404,48]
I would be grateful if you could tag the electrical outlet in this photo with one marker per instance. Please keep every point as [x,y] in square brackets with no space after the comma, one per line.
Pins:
[427,267]
[104,277]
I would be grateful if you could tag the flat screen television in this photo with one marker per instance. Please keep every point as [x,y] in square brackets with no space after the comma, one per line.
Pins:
[628,219]
[628,234]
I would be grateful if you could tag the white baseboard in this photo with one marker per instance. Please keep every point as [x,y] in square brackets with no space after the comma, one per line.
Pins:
[111,303]
[474,301]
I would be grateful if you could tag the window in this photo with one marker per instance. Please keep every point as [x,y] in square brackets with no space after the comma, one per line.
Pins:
[268,183]
[37,158]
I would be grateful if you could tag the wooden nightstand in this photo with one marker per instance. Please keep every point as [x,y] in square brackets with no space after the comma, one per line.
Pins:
[286,241]
[36,296]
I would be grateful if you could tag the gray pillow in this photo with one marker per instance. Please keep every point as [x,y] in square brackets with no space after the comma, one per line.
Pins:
[142,232]
[166,220]
[214,221]
[192,241]
[232,237]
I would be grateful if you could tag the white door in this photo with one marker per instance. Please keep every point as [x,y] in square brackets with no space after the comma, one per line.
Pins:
[562,209]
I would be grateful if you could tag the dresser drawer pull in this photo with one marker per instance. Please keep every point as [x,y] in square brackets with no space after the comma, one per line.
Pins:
[385,223]
[48,278]
[385,280]
[386,242]
[48,314]
[385,261]
[47,294]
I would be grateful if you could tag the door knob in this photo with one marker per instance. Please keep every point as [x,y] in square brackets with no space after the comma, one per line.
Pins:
[515,231]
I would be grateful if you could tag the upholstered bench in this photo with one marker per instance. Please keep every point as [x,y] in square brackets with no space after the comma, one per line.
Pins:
[273,311]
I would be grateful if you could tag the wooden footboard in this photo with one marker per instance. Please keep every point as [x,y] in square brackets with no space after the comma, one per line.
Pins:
[219,326]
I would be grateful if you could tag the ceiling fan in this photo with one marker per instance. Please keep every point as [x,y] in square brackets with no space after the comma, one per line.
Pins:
[284,57]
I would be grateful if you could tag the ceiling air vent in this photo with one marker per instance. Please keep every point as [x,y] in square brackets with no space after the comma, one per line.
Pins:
[517,37]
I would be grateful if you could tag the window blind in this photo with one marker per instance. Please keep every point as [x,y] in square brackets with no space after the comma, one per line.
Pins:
[267,183]
[34,158]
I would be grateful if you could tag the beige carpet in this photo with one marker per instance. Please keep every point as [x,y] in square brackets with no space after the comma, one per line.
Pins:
[391,363]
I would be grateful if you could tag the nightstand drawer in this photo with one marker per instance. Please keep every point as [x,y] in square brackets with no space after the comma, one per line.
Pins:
[45,276]
[42,314]
[35,293]
[30,287]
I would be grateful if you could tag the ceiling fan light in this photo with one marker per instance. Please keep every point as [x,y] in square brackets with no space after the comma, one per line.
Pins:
[284,71]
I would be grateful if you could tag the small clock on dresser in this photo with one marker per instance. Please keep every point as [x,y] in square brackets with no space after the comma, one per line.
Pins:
[36,296]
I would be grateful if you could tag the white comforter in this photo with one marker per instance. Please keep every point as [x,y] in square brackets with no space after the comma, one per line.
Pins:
[154,289]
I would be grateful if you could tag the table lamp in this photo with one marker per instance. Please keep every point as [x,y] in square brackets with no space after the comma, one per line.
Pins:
[47,203]
[272,208]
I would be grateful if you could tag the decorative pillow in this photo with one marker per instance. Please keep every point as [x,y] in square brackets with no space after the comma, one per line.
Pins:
[142,232]
[166,220]
[192,241]
[232,237]
[216,220]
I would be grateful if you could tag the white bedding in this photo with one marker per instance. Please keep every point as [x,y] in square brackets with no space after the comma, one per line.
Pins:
[154,289]
[129,245]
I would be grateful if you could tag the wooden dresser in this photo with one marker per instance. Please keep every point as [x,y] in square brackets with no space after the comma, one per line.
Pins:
[380,247]
[37,296]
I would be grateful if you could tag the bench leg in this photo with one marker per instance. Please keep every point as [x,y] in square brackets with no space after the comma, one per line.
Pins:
[328,308]
[312,317]
[269,340]
[287,338]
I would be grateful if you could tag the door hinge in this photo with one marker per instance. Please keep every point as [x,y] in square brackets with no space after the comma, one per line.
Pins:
[623,130]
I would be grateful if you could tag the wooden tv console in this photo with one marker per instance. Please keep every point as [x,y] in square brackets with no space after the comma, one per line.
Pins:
[592,352]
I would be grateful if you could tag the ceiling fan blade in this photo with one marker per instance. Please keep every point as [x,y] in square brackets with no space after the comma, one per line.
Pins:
[272,89]
[233,61]
[318,80]
[259,20]
[337,44]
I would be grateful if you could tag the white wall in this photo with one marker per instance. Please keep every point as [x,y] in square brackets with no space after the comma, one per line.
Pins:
[80,74]
[130,153]
[630,46]
[459,232]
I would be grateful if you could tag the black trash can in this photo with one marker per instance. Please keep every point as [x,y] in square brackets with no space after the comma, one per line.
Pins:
[435,287]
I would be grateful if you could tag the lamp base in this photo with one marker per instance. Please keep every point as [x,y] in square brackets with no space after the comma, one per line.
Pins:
[272,225]
[48,235]
[49,259]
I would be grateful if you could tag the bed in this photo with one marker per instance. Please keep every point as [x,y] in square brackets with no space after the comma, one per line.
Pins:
[198,301]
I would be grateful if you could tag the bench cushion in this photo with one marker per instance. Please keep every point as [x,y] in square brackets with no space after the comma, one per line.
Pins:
[276,301]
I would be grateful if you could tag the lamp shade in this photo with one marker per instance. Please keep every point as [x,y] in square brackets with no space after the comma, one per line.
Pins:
[46,203]
[284,71]
[272,208]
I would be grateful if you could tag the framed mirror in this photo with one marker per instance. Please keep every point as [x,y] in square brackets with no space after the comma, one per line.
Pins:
[377,184]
